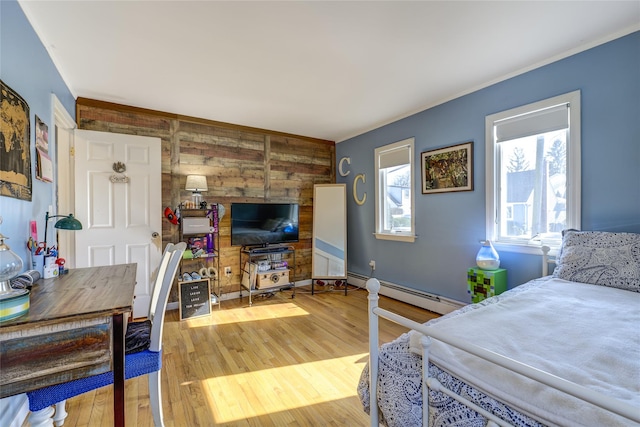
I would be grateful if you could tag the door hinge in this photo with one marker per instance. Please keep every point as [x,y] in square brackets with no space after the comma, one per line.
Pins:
[72,151]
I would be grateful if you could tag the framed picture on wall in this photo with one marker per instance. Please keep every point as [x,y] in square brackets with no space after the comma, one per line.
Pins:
[44,166]
[447,169]
[15,161]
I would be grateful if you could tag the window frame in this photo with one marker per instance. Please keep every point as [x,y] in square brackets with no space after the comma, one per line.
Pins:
[381,194]
[494,173]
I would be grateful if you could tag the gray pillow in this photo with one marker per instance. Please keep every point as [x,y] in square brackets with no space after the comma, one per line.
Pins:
[600,258]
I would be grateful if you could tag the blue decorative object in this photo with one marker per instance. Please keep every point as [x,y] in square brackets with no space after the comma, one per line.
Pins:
[488,258]
[14,303]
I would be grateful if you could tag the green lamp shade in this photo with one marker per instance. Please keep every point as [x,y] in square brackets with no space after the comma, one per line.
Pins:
[68,223]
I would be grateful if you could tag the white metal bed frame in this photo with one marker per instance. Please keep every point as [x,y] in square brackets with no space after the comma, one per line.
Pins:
[373,286]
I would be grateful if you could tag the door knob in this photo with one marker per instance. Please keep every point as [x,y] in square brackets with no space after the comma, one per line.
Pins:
[155,234]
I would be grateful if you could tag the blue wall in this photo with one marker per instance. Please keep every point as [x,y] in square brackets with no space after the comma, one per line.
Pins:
[450,225]
[25,66]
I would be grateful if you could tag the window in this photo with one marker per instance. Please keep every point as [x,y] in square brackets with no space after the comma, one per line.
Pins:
[395,219]
[533,173]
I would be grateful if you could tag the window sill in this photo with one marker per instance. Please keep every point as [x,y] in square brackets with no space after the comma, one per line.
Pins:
[525,248]
[397,237]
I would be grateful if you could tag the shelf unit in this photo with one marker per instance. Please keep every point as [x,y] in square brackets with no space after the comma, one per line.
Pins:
[263,270]
[205,255]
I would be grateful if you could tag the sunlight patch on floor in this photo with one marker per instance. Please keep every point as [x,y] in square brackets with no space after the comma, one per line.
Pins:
[248,314]
[255,394]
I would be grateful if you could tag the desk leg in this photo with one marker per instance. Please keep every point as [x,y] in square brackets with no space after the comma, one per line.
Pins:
[118,369]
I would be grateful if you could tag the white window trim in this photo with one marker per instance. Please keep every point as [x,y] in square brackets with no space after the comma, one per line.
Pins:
[398,236]
[573,171]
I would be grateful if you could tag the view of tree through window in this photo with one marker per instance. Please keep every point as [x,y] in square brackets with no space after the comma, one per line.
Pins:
[399,217]
[517,162]
[536,185]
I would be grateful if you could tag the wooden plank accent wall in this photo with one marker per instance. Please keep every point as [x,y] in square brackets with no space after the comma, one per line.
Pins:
[242,164]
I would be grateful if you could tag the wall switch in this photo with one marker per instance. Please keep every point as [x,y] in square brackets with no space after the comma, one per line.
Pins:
[372,264]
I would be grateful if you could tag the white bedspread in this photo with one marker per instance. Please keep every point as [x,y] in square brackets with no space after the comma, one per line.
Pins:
[587,334]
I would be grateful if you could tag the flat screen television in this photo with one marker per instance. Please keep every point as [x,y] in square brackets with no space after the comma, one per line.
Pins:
[264,224]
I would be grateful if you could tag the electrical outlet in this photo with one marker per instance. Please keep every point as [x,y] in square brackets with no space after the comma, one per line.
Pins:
[227,271]
[372,264]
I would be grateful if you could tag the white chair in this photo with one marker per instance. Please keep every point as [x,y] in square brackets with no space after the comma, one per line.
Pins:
[146,362]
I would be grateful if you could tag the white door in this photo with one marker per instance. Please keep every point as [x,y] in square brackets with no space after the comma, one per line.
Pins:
[64,134]
[121,221]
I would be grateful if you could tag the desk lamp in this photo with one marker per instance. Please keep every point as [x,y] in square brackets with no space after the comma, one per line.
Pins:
[68,222]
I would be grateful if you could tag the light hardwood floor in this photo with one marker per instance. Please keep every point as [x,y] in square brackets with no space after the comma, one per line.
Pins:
[281,362]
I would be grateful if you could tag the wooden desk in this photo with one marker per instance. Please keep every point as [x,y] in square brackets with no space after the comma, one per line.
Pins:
[75,328]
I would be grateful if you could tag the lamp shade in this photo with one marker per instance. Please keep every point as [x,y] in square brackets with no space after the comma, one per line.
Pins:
[68,223]
[196,183]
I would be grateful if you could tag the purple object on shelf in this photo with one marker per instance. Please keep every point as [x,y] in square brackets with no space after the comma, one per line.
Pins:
[210,243]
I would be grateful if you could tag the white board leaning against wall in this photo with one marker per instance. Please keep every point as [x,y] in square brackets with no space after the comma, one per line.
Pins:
[329,231]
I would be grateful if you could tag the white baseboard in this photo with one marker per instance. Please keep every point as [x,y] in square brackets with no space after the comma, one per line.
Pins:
[435,303]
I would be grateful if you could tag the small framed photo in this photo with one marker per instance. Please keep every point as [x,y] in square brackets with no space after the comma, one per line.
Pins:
[447,169]
[44,167]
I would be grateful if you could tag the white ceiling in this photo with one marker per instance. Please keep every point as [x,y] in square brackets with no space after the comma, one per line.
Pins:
[329,70]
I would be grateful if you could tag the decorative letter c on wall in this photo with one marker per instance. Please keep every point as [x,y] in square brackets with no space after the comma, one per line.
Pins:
[355,190]
[342,160]
[361,176]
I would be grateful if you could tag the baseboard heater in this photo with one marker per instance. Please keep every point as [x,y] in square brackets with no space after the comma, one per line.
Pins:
[435,303]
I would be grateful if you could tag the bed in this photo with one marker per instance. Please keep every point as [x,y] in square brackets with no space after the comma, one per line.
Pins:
[563,349]
[253,233]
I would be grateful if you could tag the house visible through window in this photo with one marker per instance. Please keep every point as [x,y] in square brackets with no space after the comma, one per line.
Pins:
[533,172]
[394,191]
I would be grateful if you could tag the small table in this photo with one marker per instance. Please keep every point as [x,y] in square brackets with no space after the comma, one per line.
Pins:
[75,328]
[483,284]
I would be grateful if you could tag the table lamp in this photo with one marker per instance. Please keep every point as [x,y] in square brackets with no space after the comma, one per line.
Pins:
[196,184]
